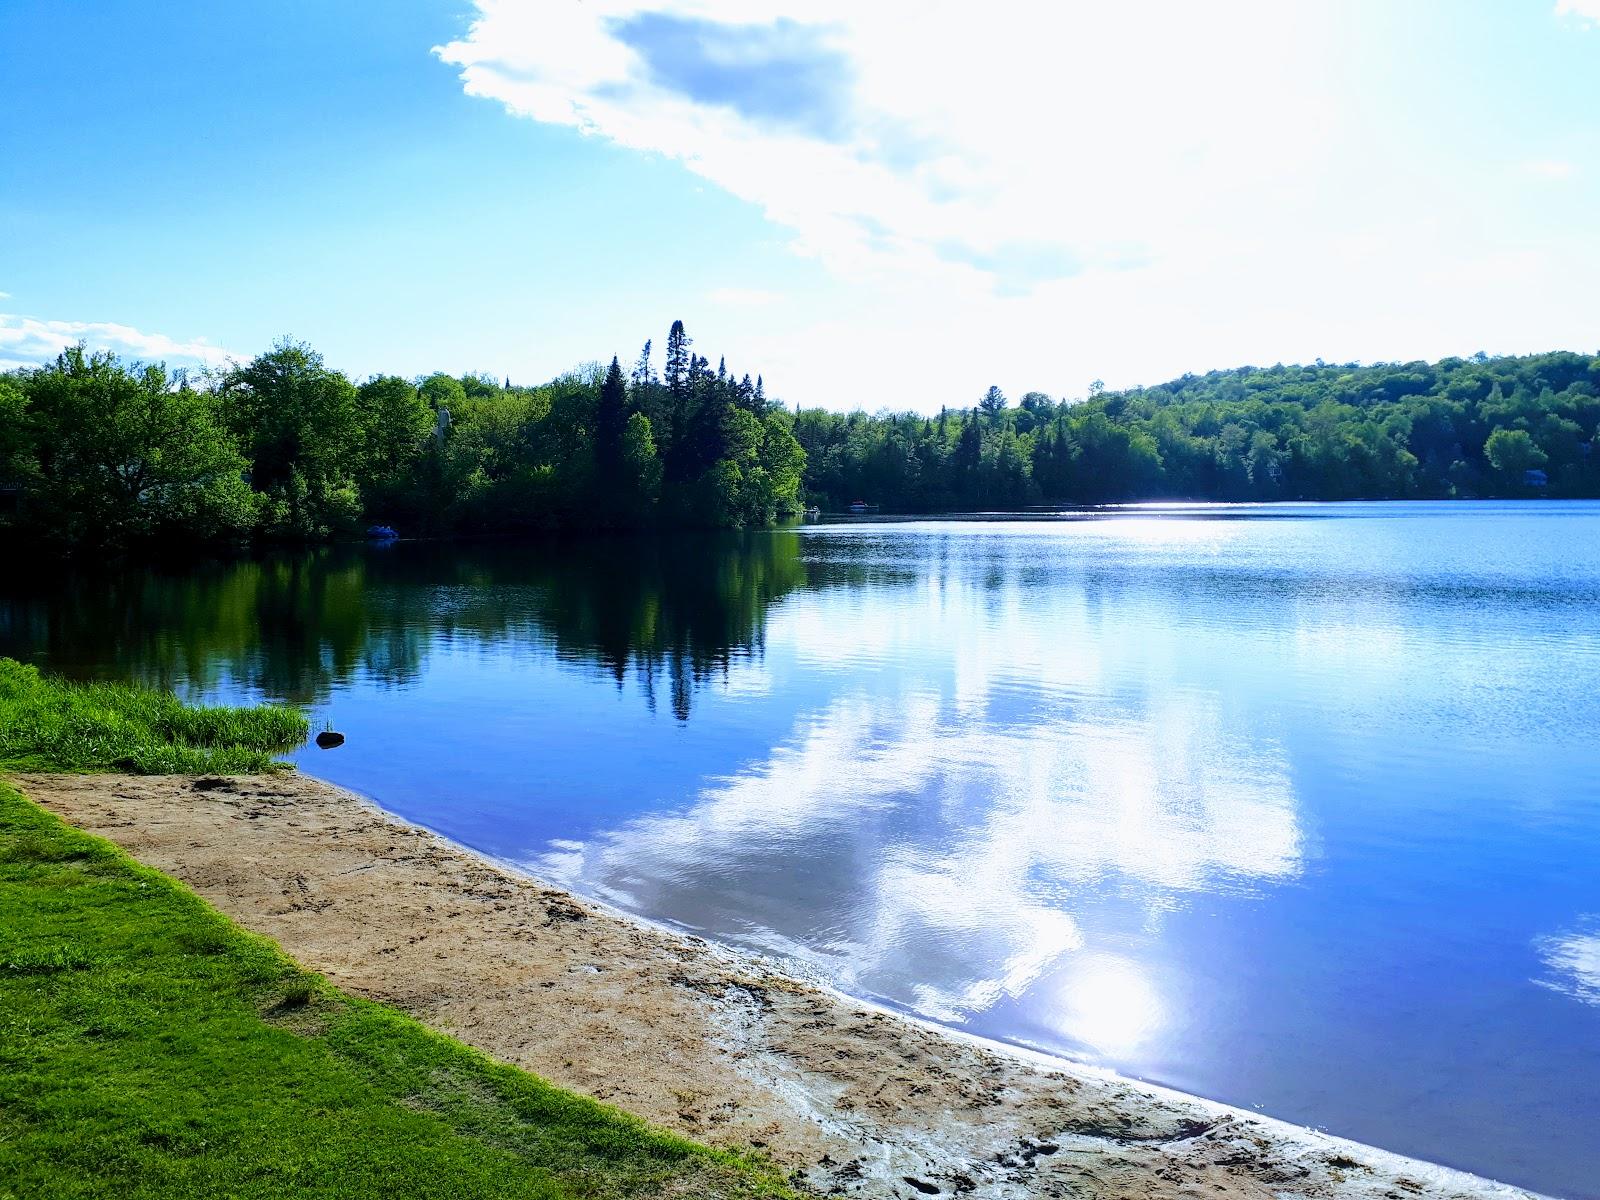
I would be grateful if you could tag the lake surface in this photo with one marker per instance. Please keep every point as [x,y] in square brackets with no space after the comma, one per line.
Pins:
[1297,807]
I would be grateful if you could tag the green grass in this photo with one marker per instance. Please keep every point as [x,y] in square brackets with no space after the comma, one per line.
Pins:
[150,1048]
[49,724]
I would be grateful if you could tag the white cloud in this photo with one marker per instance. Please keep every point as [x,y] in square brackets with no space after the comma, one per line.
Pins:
[737,297]
[29,341]
[1586,10]
[903,134]
[1554,169]
[1054,193]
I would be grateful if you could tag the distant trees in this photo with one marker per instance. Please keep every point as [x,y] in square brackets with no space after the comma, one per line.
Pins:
[97,452]
[1457,428]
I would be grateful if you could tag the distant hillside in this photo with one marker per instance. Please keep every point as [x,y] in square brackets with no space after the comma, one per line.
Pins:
[1457,428]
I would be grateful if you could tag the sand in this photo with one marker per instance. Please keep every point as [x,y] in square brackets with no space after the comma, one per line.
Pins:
[854,1101]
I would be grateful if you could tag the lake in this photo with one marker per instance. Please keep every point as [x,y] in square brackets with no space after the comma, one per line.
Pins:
[1296,807]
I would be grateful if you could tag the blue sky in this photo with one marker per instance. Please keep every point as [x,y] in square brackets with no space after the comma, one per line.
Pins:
[893,207]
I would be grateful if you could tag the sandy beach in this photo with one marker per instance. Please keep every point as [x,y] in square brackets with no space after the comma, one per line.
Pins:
[852,1100]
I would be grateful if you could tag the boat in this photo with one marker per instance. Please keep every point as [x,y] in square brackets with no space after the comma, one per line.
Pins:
[861,506]
[381,533]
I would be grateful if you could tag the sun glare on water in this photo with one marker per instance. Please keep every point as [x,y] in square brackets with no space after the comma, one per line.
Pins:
[1108,1004]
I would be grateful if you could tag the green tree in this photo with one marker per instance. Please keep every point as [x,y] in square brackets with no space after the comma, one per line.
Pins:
[443,393]
[992,404]
[395,427]
[680,363]
[611,419]
[1512,452]
[300,424]
[13,434]
[114,455]
[641,468]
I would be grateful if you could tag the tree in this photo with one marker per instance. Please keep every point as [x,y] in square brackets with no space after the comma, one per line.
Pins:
[116,455]
[611,417]
[13,435]
[643,373]
[300,425]
[784,461]
[641,466]
[1512,452]
[680,363]
[395,425]
[443,393]
[992,404]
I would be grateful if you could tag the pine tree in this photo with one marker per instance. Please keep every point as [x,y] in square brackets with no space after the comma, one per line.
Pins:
[611,418]
[992,404]
[642,373]
[680,363]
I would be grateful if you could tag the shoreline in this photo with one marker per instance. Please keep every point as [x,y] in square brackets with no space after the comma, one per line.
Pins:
[852,1098]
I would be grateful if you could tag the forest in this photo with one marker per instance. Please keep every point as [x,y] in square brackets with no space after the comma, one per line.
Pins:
[1456,429]
[99,453]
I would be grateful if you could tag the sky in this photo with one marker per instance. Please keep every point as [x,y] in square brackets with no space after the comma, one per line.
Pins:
[884,205]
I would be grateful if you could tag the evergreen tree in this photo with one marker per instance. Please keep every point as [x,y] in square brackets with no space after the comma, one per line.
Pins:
[643,373]
[610,419]
[680,363]
[992,404]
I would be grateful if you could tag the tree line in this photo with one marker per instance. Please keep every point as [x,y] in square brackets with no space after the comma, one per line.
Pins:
[98,452]
[1459,428]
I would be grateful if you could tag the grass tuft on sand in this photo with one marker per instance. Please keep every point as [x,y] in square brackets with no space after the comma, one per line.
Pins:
[50,724]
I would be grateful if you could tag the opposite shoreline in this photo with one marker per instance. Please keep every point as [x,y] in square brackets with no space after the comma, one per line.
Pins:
[851,1098]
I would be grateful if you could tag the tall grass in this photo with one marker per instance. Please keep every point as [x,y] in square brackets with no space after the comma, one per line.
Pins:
[50,724]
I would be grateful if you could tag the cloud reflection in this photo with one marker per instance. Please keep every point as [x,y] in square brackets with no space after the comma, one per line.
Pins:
[910,846]
[1574,961]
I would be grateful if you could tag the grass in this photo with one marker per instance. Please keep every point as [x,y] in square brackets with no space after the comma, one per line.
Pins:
[49,724]
[151,1048]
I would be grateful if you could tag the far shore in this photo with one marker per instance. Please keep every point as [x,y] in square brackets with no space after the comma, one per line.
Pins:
[851,1099]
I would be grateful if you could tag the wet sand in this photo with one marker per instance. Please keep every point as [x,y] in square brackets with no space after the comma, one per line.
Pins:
[701,1040]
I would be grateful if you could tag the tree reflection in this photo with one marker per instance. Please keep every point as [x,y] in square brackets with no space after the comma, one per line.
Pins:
[293,626]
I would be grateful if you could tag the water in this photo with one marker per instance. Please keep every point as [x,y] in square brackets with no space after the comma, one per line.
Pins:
[1295,807]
